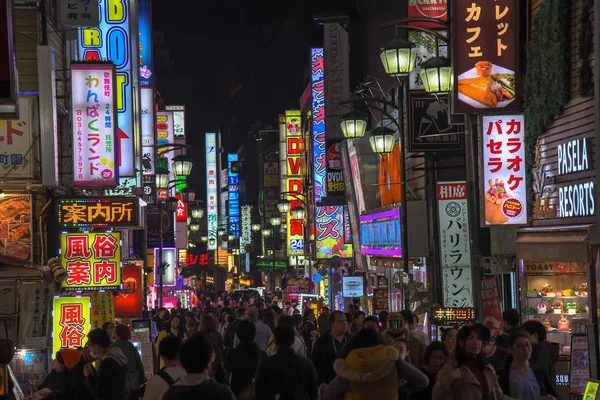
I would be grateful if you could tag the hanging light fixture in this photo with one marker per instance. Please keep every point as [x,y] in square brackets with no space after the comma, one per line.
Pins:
[220,232]
[212,241]
[275,221]
[298,212]
[197,212]
[187,195]
[182,165]
[382,140]
[204,238]
[266,232]
[437,75]
[171,204]
[189,220]
[398,57]
[256,227]
[354,124]
[162,178]
[283,206]
[195,227]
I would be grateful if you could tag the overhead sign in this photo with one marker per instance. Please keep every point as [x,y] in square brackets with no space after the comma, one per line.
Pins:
[485,43]
[100,212]
[318,123]
[430,124]
[79,13]
[145,43]
[111,41]
[233,195]
[212,211]
[294,181]
[71,322]
[92,261]
[179,120]
[504,174]
[94,125]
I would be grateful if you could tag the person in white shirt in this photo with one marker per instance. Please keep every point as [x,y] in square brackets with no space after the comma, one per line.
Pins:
[158,384]
[263,332]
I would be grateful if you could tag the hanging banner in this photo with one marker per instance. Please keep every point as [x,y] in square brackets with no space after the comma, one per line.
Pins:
[491,305]
[211,189]
[336,187]
[318,123]
[79,13]
[294,181]
[71,322]
[504,174]
[92,261]
[103,308]
[34,310]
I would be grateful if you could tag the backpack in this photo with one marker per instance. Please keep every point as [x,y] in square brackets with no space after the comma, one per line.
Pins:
[166,377]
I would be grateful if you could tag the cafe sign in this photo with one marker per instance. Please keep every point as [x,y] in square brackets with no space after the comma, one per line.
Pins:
[122,212]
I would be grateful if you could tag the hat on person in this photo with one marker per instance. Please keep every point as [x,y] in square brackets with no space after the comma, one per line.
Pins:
[395,316]
[69,357]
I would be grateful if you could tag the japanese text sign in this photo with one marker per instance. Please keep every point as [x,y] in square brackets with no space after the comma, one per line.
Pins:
[233,194]
[381,300]
[491,306]
[450,315]
[428,9]
[128,303]
[17,157]
[94,124]
[196,259]
[294,181]
[92,260]
[110,41]
[70,322]
[246,233]
[336,186]
[164,138]
[99,212]
[147,124]
[330,231]
[454,224]
[211,190]
[182,209]
[485,43]
[79,13]
[503,162]
[145,43]
[103,308]
[318,123]
[179,120]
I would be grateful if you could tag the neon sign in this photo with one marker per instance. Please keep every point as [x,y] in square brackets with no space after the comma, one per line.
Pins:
[234,195]
[380,234]
[331,233]
[294,181]
[318,123]
[211,189]
[71,322]
[113,211]
[145,42]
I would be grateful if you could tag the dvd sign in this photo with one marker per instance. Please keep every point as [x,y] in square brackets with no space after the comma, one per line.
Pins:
[435,9]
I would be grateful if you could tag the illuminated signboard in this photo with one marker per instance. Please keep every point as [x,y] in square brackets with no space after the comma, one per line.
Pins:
[234,195]
[147,124]
[182,209]
[92,260]
[211,190]
[179,118]
[380,234]
[246,233]
[170,266]
[443,316]
[164,137]
[318,123]
[128,303]
[94,124]
[71,322]
[294,180]
[331,235]
[145,43]
[110,41]
[100,212]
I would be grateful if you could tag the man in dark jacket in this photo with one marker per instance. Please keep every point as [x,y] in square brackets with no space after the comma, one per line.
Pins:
[545,354]
[109,382]
[327,347]
[243,361]
[511,321]
[196,356]
[308,328]
[240,315]
[286,374]
[324,320]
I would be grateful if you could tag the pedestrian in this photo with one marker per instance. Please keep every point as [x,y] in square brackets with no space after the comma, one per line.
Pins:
[171,328]
[160,318]
[299,347]
[413,327]
[159,383]
[449,338]
[135,369]
[196,355]
[545,354]
[496,356]
[109,382]
[109,327]
[286,375]
[511,319]
[240,315]
[242,362]
[359,317]
[398,329]
[324,320]
[225,320]
[63,382]
[327,346]
[269,319]
[217,367]
[383,320]
[371,322]
[309,329]
[263,332]
[208,327]
[436,356]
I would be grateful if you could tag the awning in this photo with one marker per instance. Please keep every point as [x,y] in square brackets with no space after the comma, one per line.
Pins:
[561,244]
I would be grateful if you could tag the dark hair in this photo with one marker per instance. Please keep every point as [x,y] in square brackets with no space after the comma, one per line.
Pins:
[349,318]
[195,354]
[169,347]
[107,324]
[308,312]
[516,335]
[362,339]
[435,346]
[511,317]
[383,317]
[284,336]
[245,331]
[208,324]
[534,327]
[123,332]
[269,319]
[332,316]
[409,317]
[485,334]
[240,312]
[371,318]
[297,319]
[358,314]
[460,355]
[99,337]
[446,331]
[325,308]
[286,320]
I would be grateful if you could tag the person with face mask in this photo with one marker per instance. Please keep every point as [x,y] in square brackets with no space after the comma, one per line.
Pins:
[110,380]
[397,329]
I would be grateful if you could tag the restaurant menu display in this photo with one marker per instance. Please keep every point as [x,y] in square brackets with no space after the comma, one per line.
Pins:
[15,226]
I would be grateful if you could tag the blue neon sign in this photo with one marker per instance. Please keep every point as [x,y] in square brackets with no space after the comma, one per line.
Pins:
[145,38]
[234,195]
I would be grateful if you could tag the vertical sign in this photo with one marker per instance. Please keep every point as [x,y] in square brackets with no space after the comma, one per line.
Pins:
[294,181]
[164,137]
[17,156]
[504,188]
[211,189]
[455,247]
[79,13]
[71,322]
[179,120]
[330,231]
[491,307]
[337,77]
[246,233]
[318,123]
[48,115]
[110,41]
[128,303]
[234,195]
[336,187]
[182,209]
[147,121]
[93,125]
[8,62]
[485,43]
[145,43]
[103,308]
[169,257]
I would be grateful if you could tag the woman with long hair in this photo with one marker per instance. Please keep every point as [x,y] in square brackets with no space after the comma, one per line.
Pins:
[468,376]
[208,327]
[436,357]
[269,319]
[171,328]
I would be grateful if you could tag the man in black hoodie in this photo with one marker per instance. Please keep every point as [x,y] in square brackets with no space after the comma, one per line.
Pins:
[109,382]
[242,361]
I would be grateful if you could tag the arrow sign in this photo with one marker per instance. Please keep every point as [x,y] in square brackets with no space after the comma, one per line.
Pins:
[120,136]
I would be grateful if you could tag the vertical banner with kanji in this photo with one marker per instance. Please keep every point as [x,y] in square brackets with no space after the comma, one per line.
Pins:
[103,308]
[211,189]
[71,322]
[92,260]
[295,181]
[455,244]
[491,307]
[34,312]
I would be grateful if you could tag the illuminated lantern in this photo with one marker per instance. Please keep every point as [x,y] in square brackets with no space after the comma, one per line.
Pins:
[298,213]
[354,125]
[283,206]
[382,140]
[437,75]
[162,178]
[398,57]
[182,165]
[256,227]
[275,221]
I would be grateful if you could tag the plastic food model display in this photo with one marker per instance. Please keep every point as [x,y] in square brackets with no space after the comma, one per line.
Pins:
[541,308]
[547,290]
[572,308]
[557,306]
[563,324]
[582,291]
[495,196]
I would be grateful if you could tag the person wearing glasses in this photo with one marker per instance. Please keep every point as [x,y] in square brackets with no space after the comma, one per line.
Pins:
[398,329]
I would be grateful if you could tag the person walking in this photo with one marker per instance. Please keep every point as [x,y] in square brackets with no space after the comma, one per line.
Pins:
[299,346]
[545,354]
[64,382]
[229,337]
[397,328]
[158,384]
[109,382]
[210,330]
[436,356]
[263,332]
[510,320]
[309,329]
[171,328]
[135,368]
[242,362]
[323,320]
[327,346]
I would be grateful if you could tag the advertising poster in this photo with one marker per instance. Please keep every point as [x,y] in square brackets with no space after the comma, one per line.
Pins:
[381,300]
[169,264]
[15,226]
[103,308]
[318,122]
[353,286]
[485,43]
[336,187]
[504,172]
[34,309]
[94,125]
[380,234]
[294,181]
[331,233]
[17,157]
[211,189]
[580,364]
[92,260]
[491,306]
[71,322]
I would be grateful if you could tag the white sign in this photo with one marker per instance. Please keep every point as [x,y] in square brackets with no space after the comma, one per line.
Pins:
[246,237]
[147,103]
[17,156]
[504,186]
[353,286]
[179,118]
[453,213]
[574,156]
[211,190]
[94,123]
[48,115]
[578,200]
[164,137]
[80,13]
[457,287]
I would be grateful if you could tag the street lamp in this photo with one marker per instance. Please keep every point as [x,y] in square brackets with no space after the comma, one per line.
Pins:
[382,140]
[354,124]
[171,204]
[256,227]
[283,206]
[187,195]
[437,75]
[266,232]
[162,178]
[182,165]
[298,213]
[204,238]
[195,227]
[275,221]
[398,57]
[197,212]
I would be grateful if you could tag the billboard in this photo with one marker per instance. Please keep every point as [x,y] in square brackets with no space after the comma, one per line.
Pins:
[233,195]
[128,303]
[179,120]
[145,43]
[294,181]
[71,322]
[332,232]
[212,211]
[122,212]
[17,156]
[148,132]
[318,123]
[380,234]
[165,137]
[111,41]
[94,124]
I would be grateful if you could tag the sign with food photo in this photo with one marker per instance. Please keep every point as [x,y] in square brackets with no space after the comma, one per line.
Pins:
[485,38]
[503,163]
[15,226]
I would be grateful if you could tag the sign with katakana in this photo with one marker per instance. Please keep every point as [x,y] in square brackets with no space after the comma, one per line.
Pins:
[212,211]
[485,43]
[98,212]
[92,261]
[80,13]
[295,180]
[94,124]
[454,224]
[17,155]
[504,172]
[71,322]
[457,287]
[103,308]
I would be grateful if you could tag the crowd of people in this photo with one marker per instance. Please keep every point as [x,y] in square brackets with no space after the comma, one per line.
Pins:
[260,351]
